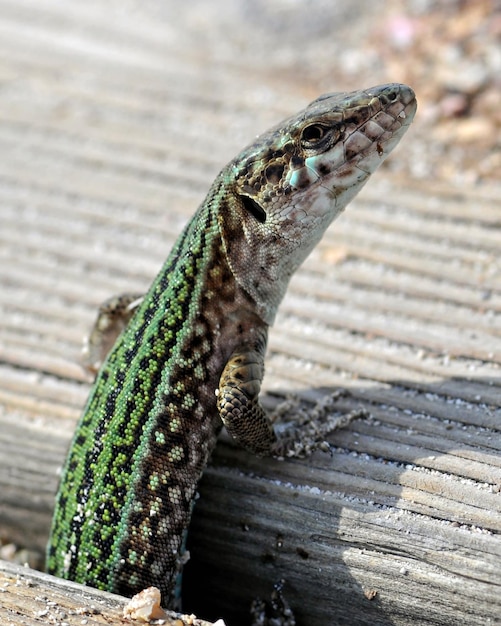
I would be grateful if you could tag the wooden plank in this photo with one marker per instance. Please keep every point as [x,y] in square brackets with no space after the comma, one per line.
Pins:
[31,598]
[112,127]
[384,484]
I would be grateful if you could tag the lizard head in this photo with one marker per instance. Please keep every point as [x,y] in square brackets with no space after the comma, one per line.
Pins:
[284,189]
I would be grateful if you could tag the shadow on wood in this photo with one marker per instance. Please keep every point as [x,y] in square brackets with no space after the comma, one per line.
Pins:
[400,522]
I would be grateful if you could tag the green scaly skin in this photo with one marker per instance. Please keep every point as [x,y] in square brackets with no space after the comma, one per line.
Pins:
[192,355]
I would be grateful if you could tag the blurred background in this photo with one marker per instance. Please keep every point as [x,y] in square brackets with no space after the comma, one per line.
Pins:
[115,117]
[449,51]
[254,60]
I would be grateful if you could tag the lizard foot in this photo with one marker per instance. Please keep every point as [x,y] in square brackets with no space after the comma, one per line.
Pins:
[113,316]
[310,426]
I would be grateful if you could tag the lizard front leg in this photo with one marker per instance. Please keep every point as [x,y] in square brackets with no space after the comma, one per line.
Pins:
[247,422]
[238,402]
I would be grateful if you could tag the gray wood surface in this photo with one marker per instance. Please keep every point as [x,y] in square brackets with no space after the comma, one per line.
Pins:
[30,597]
[114,119]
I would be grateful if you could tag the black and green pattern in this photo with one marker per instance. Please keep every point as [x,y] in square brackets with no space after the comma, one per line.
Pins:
[151,421]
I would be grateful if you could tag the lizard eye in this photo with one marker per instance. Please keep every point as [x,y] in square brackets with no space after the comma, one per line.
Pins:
[254,208]
[313,135]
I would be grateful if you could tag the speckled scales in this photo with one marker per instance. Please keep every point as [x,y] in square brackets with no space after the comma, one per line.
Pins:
[152,418]
[131,469]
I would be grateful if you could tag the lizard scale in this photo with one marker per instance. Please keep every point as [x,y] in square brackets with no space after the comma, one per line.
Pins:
[191,356]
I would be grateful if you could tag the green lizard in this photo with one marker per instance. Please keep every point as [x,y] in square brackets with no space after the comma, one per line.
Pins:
[191,356]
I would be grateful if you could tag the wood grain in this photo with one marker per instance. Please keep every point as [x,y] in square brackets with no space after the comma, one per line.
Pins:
[113,124]
[29,598]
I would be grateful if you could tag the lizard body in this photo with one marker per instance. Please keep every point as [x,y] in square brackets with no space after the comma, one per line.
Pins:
[191,356]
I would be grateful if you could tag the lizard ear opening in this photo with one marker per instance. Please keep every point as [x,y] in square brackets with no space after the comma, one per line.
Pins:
[254,208]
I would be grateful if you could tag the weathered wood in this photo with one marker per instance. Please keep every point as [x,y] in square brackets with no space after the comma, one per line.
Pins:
[30,598]
[416,528]
[112,127]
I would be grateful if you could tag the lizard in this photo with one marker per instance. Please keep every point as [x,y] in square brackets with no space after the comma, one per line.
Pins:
[190,357]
